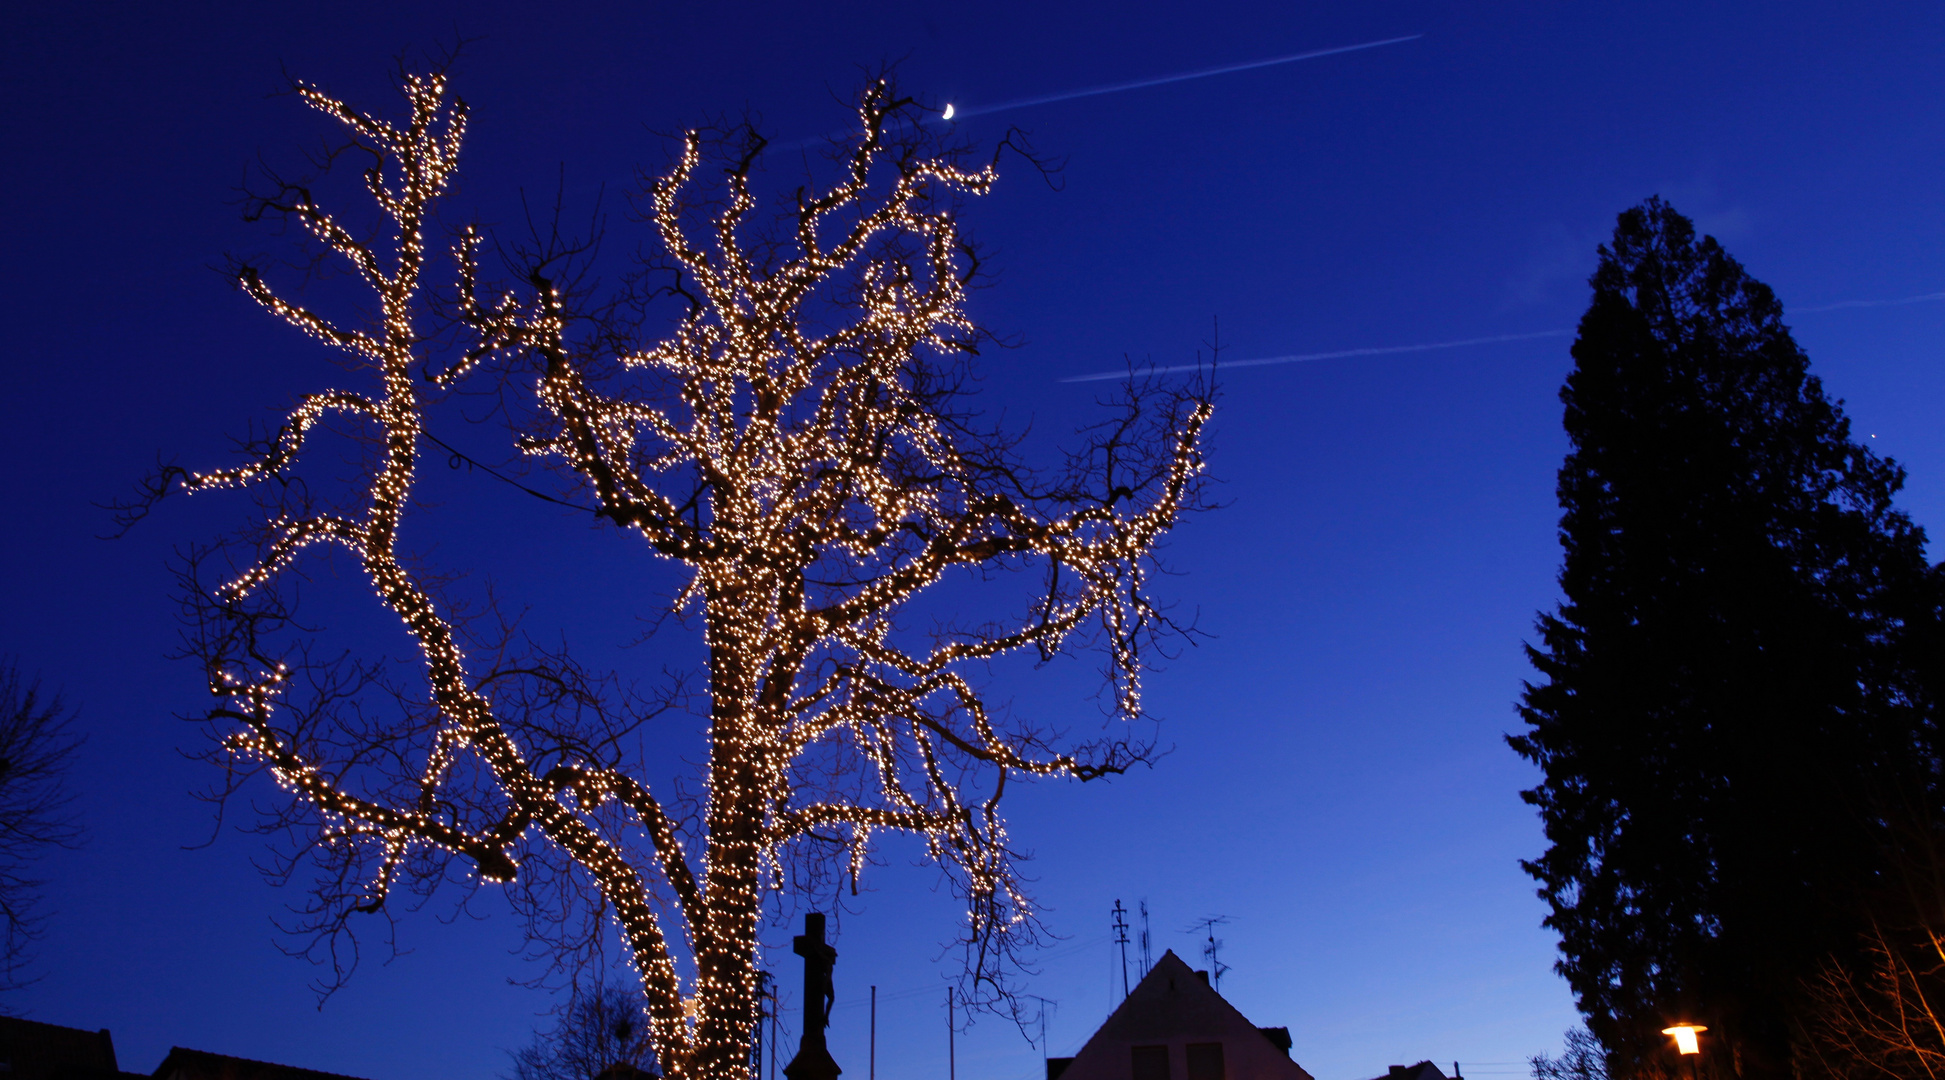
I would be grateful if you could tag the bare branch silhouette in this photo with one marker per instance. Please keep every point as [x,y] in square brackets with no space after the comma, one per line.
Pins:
[798,449]
[36,749]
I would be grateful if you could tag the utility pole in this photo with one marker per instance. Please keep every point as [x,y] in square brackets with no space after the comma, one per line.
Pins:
[874,1034]
[1121,939]
[951,1035]
[764,993]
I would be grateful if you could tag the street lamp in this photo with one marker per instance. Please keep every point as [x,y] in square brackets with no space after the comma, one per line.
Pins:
[1685,1037]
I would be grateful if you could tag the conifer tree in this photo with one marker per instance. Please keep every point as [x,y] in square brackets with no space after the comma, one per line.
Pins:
[1728,679]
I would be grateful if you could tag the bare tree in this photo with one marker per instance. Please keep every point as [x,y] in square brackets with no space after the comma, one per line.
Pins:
[1582,1057]
[598,1030]
[798,448]
[36,747]
[1878,1010]
[1884,1017]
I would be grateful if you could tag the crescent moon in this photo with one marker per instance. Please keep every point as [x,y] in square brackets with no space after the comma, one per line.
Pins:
[947,115]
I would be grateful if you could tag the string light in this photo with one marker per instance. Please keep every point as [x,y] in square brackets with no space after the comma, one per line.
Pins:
[833,488]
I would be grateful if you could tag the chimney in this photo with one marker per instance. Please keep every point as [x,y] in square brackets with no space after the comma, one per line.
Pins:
[1204,976]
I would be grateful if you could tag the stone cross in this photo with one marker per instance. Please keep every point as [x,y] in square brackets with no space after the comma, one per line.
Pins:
[813,1060]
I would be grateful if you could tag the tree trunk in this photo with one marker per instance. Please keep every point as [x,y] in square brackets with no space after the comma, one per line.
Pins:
[726,941]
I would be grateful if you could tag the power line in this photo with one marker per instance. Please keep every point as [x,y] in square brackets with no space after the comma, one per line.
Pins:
[460,456]
[925,990]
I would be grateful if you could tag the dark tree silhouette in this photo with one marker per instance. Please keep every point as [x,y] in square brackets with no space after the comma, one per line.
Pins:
[606,1025]
[1581,1058]
[36,747]
[1727,680]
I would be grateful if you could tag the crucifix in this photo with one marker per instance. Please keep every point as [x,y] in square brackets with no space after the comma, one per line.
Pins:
[813,1060]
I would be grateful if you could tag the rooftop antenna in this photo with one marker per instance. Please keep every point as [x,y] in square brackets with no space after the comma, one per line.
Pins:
[1121,939]
[1047,1005]
[1147,959]
[1212,948]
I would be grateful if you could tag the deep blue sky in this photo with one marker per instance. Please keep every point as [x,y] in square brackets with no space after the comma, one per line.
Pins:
[1339,785]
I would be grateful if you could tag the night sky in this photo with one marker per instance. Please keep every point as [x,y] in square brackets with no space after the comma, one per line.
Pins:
[1338,784]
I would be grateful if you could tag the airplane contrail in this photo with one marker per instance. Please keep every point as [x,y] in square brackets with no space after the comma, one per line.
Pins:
[1389,350]
[1839,305]
[1138,84]
[954,112]
[1382,350]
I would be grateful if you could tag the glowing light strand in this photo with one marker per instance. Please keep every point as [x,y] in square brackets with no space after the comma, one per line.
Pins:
[424,159]
[786,430]
[836,489]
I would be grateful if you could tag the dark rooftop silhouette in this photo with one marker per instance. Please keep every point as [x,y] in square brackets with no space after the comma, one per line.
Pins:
[1175,1026]
[31,1050]
[186,1064]
[1424,1070]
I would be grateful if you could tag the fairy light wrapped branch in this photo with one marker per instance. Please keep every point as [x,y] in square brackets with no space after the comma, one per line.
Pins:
[798,450]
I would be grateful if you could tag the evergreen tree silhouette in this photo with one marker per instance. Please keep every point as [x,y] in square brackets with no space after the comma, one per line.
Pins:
[1729,680]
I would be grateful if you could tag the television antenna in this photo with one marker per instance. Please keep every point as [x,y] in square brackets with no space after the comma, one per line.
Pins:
[1212,948]
[1147,957]
[1047,1005]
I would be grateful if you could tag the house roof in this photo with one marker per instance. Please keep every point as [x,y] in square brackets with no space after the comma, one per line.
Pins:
[31,1050]
[185,1064]
[1176,1005]
[1424,1070]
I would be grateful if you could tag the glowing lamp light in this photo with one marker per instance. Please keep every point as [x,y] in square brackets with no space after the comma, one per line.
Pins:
[1685,1037]
[947,115]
